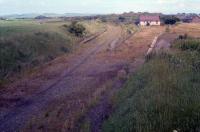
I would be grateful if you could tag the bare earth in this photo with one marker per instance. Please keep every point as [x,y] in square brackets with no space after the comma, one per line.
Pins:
[56,95]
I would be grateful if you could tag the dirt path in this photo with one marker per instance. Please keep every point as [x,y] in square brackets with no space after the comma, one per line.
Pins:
[53,98]
[164,41]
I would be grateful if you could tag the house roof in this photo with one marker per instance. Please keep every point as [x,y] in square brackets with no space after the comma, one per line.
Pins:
[149,18]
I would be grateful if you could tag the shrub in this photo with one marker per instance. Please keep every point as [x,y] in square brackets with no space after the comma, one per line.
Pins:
[104,20]
[76,29]
[121,18]
[170,20]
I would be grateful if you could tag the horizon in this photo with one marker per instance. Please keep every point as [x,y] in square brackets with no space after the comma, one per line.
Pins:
[86,13]
[9,7]
[91,14]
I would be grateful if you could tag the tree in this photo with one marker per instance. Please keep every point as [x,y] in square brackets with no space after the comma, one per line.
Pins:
[122,19]
[170,20]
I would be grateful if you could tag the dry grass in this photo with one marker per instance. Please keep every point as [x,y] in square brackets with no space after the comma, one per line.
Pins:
[93,26]
[138,44]
[189,28]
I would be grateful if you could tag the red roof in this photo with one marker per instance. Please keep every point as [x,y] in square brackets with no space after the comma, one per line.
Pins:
[149,18]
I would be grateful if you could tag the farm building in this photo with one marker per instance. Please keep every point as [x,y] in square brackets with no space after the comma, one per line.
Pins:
[150,20]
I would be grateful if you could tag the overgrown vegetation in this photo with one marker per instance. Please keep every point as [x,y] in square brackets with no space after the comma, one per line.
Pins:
[20,51]
[27,43]
[76,29]
[163,96]
[188,44]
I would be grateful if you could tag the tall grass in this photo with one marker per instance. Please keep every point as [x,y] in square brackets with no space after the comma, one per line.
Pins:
[20,51]
[163,96]
[188,44]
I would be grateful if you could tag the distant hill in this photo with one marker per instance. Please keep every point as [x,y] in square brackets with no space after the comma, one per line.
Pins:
[13,16]
[41,17]
[33,15]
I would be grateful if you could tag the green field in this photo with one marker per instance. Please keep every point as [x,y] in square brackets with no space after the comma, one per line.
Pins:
[26,26]
[29,43]
[163,95]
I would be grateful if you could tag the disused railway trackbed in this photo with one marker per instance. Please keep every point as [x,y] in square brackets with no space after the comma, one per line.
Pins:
[32,105]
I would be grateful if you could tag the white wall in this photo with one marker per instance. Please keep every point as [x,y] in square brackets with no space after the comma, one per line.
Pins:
[143,23]
[153,23]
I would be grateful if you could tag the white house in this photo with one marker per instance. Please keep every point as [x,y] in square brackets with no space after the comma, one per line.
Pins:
[150,20]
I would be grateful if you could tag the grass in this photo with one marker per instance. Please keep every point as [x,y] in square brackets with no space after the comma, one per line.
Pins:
[130,28]
[18,26]
[30,50]
[93,26]
[188,44]
[163,96]
[27,43]
[192,29]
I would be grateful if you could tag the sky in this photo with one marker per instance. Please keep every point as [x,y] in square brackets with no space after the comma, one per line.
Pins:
[97,6]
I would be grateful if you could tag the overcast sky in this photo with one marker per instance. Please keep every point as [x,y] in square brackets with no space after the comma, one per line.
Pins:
[97,6]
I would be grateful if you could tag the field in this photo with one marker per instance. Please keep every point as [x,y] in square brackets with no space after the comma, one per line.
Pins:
[29,43]
[190,29]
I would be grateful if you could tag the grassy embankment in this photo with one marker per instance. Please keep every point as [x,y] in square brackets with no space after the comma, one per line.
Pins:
[27,43]
[163,95]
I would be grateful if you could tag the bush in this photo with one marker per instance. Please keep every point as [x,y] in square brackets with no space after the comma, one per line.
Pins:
[121,18]
[170,20]
[104,19]
[76,29]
